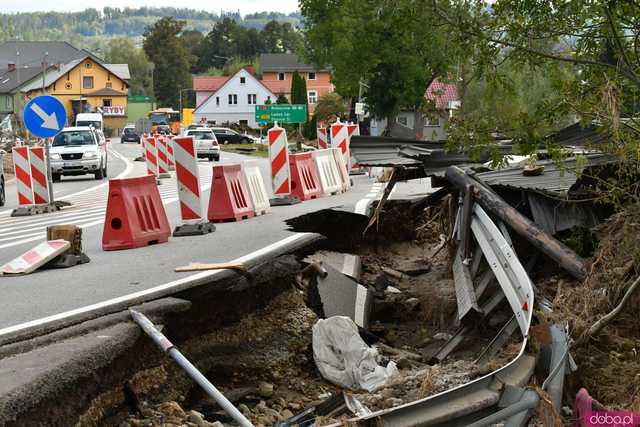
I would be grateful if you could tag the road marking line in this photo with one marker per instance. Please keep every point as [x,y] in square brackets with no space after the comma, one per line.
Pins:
[133,296]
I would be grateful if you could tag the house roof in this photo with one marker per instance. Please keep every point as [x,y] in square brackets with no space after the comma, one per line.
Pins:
[32,53]
[277,86]
[208,83]
[12,80]
[54,74]
[283,62]
[441,94]
[107,91]
[120,70]
[228,79]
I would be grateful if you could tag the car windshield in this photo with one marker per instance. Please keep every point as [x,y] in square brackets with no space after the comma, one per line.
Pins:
[87,123]
[129,131]
[197,135]
[80,137]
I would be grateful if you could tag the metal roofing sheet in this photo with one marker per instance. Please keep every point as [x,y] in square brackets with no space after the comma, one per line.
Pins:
[554,179]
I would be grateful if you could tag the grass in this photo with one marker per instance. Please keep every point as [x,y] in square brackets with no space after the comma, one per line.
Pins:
[260,150]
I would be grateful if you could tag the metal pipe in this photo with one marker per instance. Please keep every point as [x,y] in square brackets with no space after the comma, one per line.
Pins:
[167,347]
[559,352]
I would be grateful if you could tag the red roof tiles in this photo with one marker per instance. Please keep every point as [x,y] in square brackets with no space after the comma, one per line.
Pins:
[441,94]
[208,83]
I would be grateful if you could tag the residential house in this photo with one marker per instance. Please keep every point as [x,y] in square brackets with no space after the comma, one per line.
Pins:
[277,73]
[233,101]
[205,86]
[21,65]
[444,97]
[84,85]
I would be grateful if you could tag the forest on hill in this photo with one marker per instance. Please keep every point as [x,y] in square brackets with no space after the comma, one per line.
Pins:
[92,29]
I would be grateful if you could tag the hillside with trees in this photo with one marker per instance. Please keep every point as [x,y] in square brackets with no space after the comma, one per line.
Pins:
[92,28]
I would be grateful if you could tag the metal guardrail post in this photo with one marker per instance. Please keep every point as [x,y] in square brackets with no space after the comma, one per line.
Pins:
[167,347]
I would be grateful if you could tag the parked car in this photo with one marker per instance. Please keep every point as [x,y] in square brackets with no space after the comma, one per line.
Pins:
[3,194]
[230,136]
[206,143]
[78,151]
[129,134]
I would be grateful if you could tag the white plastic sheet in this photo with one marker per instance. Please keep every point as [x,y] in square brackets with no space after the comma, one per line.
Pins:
[344,358]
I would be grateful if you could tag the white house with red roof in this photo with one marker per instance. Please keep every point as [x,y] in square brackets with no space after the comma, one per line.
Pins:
[231,100]
[445,98]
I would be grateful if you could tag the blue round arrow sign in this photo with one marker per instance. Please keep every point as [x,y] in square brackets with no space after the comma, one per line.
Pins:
[44,116]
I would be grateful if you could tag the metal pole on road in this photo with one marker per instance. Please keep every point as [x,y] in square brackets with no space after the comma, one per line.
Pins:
[167,347]
[46,140]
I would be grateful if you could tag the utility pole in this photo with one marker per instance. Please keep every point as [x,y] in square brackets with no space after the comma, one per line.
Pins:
[46,140]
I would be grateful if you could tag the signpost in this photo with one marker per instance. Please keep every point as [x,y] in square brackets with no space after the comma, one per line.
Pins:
[281,113]
[45,116]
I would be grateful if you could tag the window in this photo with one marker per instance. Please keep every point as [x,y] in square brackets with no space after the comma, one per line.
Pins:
[7,102]
[311,76]
[244,123]
[280,76]
[402,120]
[87,65]
[233,99]
[108,85]
[87,82]
[217,101]
[252,98]
[312,96]
[268,101]
[243,80]
[106,103]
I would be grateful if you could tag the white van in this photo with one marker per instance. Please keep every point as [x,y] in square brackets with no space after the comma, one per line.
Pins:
[90,119]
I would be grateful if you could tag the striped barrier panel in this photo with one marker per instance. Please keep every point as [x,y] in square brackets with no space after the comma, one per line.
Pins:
[330,179]
[36,257]
[279,160]
[163,159]
[340,139]
[151,155]
[22,169]
[188,179]
[323,140]
[39,178]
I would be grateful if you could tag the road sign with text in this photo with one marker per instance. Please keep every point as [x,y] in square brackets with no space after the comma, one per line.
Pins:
[281,113]
[44,116]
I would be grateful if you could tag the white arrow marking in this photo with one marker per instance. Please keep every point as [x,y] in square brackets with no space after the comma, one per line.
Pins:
[50,121]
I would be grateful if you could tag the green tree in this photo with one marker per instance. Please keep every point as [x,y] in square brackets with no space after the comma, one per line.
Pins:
[282,99]
[193,40]
[165,48]
[330,106]
[299,90]
[596,43]
[122,51]
[397,48]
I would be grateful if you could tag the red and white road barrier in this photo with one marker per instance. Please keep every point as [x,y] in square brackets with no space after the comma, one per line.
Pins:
[170,156]
[353,129]
[328,172]
[36,257]
[323,139]
[279,159]
[39,179]
[163,159]
[151,155]
[255,185]
[188,179]
[22,169]
[340,140]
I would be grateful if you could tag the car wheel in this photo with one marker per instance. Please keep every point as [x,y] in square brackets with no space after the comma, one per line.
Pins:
[100,173]
[245,141]
[211,158]
[55,177]
[225,142]
[2,193]
[217,158]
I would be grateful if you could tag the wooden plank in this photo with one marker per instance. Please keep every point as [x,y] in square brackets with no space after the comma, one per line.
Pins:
[197,266]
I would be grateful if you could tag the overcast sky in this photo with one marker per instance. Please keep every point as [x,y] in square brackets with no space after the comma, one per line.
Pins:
[245,6]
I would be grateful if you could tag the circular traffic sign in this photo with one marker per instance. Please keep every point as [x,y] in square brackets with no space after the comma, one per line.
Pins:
[44,116]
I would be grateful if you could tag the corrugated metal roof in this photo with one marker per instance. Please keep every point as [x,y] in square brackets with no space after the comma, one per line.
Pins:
[554,180]
[11,80]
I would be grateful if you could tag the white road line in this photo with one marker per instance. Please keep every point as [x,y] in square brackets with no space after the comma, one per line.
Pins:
[47,220]
[136,295]
[81,217]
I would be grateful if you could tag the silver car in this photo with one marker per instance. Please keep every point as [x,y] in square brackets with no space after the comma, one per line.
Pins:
[78,151]
[206,143]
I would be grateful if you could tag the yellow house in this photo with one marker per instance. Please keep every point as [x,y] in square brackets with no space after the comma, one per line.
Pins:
[87,85]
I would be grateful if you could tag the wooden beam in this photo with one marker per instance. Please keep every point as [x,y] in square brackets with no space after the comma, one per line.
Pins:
[547,244]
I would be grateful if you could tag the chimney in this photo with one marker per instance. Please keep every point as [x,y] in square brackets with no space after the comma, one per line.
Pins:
[11,66]
[250,70]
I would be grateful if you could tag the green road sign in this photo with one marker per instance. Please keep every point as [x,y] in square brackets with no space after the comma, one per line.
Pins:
[282,113]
